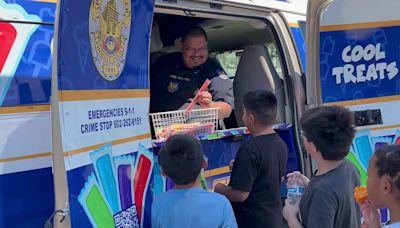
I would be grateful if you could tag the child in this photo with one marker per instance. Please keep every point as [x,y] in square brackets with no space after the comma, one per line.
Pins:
[383,186]
[259,166]
[327,200]
[188,205]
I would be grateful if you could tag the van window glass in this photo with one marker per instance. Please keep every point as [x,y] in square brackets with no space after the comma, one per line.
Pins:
[274,54]
[229,61]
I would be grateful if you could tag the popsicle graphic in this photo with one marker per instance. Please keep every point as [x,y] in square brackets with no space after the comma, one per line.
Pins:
[361,169]
[144,167]
[363,146]
[117,187]
[381,141]
[7,38]
[203,180]
[105,172]
[95,205]
[159,181]
[125,173]
[396,139]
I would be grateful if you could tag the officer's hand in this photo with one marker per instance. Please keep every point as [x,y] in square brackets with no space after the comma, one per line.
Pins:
[205,99]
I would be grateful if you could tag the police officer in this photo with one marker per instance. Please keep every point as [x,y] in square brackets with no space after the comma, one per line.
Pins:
[176,77]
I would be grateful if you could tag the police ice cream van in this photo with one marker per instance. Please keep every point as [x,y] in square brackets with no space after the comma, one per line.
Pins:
[75,139]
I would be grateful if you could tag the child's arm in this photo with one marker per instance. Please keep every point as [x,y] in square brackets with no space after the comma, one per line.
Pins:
[244,173]
[294,223]
[230,193]
[290,213]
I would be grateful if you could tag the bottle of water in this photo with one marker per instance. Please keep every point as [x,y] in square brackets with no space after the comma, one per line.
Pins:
[295,190]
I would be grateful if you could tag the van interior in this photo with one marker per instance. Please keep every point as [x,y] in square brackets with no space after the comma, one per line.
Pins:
[245,48]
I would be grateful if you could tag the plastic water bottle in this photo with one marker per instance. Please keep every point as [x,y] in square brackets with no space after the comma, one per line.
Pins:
[295,190]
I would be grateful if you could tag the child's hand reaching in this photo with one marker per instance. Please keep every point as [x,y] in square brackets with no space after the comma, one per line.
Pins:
[219,188]
[303,179]
[372,218]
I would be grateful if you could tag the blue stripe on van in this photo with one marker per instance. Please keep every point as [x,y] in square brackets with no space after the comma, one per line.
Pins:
[300,44]
[27,198]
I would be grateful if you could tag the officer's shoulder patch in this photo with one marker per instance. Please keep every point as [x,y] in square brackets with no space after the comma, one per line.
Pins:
[223,76]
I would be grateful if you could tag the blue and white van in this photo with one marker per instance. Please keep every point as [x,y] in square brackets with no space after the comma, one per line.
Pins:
[75,142]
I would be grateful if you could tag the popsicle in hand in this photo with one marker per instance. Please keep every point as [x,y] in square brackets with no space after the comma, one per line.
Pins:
[360,194]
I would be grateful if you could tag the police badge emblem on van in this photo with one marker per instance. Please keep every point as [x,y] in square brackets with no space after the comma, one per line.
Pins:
[109,29]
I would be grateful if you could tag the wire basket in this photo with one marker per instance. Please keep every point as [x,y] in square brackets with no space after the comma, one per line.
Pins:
[196,123]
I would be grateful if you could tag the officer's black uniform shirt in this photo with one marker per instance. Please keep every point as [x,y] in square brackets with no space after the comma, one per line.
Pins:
[173,84]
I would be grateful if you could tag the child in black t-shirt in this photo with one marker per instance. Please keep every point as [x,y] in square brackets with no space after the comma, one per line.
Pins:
[259,166]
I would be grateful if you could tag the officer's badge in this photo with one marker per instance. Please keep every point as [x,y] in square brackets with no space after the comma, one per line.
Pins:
[173,87]
[109,29]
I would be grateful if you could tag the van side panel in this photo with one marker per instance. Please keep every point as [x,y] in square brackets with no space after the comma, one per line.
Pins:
[27,198]
[26,182]
[103,102]
[359,69]
[362,62]
[26,68]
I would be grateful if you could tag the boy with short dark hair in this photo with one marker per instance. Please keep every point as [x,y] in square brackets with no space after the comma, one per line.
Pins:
[188,205]
[328,197]
[259,166]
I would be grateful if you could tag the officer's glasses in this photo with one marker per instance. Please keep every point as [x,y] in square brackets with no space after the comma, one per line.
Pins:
[192,51]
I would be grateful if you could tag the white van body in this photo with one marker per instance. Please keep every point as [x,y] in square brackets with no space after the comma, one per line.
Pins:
[33,145]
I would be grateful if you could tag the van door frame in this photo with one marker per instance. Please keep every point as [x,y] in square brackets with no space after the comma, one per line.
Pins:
[294,82]
[315,9]
[313,86]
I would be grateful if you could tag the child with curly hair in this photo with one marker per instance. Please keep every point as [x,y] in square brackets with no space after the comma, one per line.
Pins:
[383,187]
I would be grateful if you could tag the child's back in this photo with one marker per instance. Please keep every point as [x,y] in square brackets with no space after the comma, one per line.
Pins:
[187,205]
[192,207]
[262,164]
[259,166]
